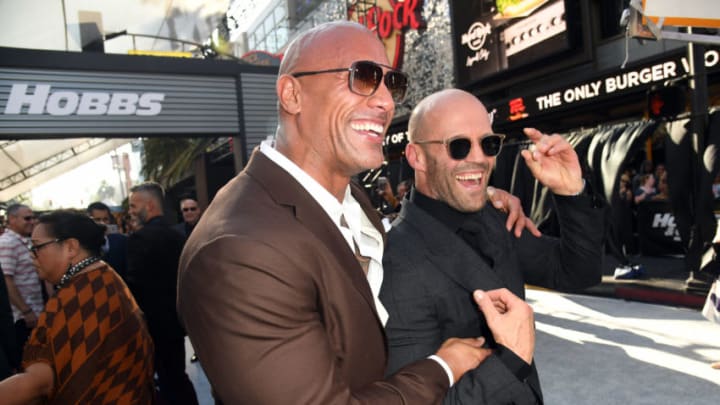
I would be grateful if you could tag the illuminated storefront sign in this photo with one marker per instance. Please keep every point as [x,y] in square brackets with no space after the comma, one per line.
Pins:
[389,18]
[490,39]
[616,83]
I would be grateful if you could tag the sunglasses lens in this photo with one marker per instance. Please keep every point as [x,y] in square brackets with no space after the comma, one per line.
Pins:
[365,78]
[459,148]
[491,145]
[397,83]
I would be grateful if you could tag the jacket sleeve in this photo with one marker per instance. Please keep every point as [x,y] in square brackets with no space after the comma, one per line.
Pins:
[574,260]
[252,313]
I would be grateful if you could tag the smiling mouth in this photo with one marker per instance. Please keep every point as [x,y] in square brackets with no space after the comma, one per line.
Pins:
[369,128]
[474,179]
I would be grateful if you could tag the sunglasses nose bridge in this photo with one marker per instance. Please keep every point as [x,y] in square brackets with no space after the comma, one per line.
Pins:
[476,152]
[382,94]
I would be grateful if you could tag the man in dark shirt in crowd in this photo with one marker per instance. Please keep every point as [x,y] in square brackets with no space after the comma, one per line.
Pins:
[9,360]
[191,213]
[153,255]
[448,242]
[115,248]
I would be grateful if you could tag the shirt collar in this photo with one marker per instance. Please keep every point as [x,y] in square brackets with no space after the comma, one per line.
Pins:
[327,201]
[23,239]
[441,211]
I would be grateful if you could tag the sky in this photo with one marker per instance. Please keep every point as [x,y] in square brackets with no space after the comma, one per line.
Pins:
[40,24]
[76,188]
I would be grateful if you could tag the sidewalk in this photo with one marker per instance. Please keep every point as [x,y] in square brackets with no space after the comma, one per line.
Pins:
[663,282]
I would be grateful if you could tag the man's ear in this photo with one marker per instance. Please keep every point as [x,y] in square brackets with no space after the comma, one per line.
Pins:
[288,90]
[415,157]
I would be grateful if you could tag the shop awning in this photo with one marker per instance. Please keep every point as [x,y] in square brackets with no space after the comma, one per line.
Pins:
[25,164]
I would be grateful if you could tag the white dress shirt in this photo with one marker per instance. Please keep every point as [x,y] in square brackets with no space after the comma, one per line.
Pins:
[360,230]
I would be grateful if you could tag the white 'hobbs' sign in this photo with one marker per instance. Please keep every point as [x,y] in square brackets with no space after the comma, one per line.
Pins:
[42,100]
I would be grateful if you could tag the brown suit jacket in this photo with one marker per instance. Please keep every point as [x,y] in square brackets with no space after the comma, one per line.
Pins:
[278,308]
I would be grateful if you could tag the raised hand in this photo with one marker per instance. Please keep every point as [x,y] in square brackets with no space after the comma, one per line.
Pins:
[553,161]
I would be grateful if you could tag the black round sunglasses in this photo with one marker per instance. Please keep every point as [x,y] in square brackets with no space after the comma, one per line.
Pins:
[458,147]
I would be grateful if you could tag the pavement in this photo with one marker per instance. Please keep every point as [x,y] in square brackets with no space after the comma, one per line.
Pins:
[596,350]
[638,341]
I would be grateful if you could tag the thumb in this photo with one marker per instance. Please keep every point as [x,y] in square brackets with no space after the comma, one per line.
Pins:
[486,305]
[490,191]
[478,342]
[494,198]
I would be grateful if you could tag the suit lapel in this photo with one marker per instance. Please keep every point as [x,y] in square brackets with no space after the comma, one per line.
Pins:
[448,252]
[285,190]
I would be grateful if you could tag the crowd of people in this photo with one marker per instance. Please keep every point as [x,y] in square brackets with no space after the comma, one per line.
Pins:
[88,312]
[288,285]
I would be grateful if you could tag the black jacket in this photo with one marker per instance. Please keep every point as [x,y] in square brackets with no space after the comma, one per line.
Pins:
[153,255]
[8,346]
[430,271]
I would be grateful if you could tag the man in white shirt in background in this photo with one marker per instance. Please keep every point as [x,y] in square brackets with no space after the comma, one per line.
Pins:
[23,284]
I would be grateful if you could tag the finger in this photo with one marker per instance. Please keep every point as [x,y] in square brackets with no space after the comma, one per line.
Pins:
[519,226]
[491,192]
[474,342]
[495,198]
[533,134]
[501,295]
[500,307]
[530,225]
[514,214]
[540,140]
[532,158]
[557,144]
[486,305]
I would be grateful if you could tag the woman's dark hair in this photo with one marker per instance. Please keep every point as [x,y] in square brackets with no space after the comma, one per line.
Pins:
[66,224]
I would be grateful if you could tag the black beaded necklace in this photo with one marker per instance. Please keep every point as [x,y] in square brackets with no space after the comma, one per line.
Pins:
[73,270]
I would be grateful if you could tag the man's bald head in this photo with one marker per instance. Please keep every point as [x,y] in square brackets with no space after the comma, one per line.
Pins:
[326,125]
[325,41]
[434,107]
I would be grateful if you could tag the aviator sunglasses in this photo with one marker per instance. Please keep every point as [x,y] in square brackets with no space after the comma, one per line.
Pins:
[458,147]
[365,77]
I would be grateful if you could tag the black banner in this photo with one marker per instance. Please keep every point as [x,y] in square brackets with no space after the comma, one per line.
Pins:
[490,38]
[657,232]
[637,78]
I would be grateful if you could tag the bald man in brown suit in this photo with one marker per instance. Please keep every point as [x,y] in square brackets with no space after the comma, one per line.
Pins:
[276,303]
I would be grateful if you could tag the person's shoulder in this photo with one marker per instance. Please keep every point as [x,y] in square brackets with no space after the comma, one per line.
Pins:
[8,240]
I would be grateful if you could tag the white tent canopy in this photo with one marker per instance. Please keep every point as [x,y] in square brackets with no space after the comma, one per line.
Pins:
[28,163]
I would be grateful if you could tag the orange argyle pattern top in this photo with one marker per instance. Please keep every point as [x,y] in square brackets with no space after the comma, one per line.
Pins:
[93,335]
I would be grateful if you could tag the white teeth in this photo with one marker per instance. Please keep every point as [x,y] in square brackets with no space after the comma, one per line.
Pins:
[378,129]
[469,177]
